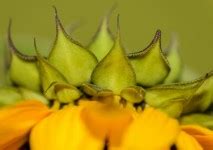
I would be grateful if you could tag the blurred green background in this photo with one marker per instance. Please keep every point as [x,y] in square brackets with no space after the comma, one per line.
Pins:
[191,20]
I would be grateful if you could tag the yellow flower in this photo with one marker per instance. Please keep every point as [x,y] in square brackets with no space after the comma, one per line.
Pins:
[116,86]
[94,125]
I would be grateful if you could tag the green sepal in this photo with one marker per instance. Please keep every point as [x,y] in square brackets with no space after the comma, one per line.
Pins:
[32,95]
[66,93]
[90,89]
[24,73]
[70,58]
[93,90]
[175,62]
[188,74]
[114,71]
[9,95]
[204,120]
[150,65]
[134,94]
[102,41]
[173,108]
[202,98]
[49,76]
[164,95]
[104,93]
[3,64]
[23,70]
[194,96]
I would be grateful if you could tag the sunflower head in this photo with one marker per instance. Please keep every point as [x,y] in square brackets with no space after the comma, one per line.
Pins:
[102,97]
[148,77]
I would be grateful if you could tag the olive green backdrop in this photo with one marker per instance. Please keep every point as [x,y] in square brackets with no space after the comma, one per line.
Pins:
[191,20]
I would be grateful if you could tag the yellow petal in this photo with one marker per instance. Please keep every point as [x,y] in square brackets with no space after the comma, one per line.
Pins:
[64,130]
[106,121]
[203,135]
[17,121]
[196,130]
[187,142]
[152,130]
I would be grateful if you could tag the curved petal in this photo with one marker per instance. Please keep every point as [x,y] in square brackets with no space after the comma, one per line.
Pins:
[203,135]
[106,121]
[64,130]
[187,142]
[152,130]
[17,121]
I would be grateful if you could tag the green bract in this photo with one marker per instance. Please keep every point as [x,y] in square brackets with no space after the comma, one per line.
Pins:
[19,64]
[114,71]
[175,62]
[150,65]
[49,77]
[67,55]
[205,120]
[11,95]
[102,41]
[133,94]
[192,96]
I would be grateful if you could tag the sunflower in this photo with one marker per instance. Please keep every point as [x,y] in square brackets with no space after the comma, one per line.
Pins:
[101,97]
